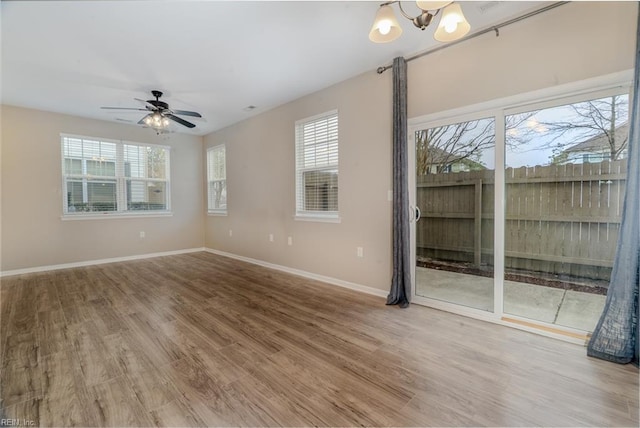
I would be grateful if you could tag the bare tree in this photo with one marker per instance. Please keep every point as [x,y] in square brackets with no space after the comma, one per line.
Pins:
[604,117]
[591,126]
[437,149]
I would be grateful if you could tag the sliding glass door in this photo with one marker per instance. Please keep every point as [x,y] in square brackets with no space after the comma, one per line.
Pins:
[554,173]
[454,177]
[565,175]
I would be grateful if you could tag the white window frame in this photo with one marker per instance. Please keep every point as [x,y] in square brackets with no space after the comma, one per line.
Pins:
[301,213]
[210,209]
[120,181]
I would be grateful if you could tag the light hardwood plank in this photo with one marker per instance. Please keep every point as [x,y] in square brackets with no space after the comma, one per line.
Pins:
[199,339]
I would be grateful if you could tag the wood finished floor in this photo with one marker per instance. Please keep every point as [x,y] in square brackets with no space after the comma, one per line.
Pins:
[199,339]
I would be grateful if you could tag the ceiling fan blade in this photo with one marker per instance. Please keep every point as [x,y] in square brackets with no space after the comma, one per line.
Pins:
[147,103]
[141,121]
[180,121]
[186,113]
[124,108]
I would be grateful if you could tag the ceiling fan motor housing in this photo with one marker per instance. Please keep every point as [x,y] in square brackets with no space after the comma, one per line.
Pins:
[157,103]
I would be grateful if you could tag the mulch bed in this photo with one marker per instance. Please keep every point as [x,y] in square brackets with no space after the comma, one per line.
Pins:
[574,284]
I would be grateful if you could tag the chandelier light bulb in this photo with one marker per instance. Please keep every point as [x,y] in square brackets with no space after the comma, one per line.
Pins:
[384,27]
[450,26]
[453,25]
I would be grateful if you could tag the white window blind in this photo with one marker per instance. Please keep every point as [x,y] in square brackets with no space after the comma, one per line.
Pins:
[317,165]
[113,177]
[217,179]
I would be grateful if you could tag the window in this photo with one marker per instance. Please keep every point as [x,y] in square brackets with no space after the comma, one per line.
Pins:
[113,177]
[217,180]
[317,166]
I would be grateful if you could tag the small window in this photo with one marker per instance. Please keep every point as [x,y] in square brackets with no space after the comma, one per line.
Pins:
[113,177]
[317,167]
[217,180]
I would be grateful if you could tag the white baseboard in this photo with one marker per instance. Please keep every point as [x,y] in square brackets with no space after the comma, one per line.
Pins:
[305,274]
[97,262]
[298,272]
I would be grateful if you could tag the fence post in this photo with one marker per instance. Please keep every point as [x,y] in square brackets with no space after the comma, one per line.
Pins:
[477,229]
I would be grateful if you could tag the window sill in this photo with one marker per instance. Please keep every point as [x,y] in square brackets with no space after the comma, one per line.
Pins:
[217,213]
[317,218]
[105,216]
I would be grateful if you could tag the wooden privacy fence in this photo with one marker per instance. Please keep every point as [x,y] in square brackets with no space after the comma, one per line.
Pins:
[560,219]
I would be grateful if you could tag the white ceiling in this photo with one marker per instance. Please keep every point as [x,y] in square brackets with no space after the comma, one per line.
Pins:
[212,57]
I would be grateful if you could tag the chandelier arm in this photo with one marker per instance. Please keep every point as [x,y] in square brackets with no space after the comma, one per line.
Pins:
[403,12]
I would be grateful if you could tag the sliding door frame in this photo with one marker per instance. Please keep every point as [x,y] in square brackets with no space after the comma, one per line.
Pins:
[498,110]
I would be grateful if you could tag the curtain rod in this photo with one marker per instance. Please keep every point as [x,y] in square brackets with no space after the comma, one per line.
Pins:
[495,28]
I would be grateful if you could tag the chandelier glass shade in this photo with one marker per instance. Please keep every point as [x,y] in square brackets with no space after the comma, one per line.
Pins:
[156,121]
[452,26]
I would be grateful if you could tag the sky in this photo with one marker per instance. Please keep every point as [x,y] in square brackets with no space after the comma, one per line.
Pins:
[539,146]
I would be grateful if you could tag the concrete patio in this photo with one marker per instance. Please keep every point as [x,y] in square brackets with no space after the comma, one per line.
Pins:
[566,308]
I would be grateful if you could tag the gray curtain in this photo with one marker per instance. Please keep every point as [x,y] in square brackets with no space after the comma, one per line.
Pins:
[401,279]
[615,337]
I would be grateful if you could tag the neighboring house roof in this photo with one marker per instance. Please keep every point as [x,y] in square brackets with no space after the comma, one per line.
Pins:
[597,143]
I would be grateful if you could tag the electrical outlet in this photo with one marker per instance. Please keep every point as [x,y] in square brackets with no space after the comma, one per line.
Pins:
[142,234]
[289,240]
[271,237]
[360,252]
[230,232]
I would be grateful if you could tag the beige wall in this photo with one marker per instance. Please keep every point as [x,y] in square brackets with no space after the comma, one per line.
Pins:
[573,42]
[570,43]
[261,186]
[33,234]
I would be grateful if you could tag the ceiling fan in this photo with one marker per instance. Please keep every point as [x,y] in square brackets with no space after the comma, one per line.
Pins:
[159,113]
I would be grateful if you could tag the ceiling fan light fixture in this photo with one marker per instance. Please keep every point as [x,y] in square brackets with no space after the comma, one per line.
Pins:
[385,26]
[159,115]
[453,25]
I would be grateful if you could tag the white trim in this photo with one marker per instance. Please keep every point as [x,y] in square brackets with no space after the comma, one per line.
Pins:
[112,215]
[119,179]
[319,116]
[499,213]
[454,308]
[97,262]
[113,140]
[217,213]
[300,169]
[493,318]
[309,275]
[217,148]
[317,218]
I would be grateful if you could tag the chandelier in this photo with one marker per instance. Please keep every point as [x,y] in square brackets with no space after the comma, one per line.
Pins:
[452,26]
